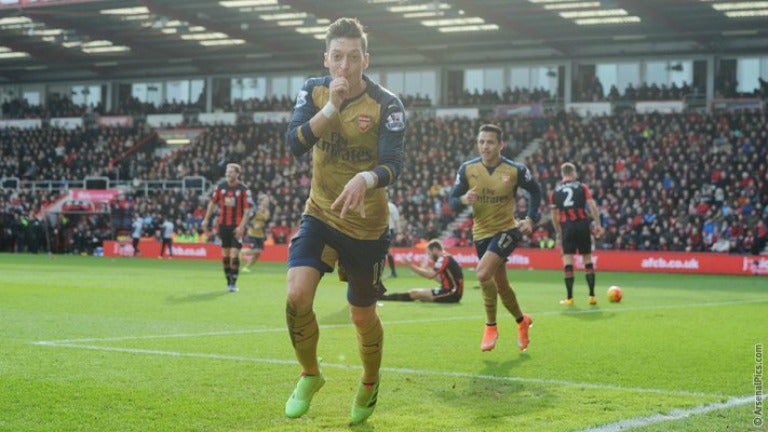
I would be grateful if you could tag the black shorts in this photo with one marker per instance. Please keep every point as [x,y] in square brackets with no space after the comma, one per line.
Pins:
[228,239]
[445,296]
[577,237]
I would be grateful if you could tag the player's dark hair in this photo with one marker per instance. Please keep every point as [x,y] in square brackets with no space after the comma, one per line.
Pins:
[349,28]
[493,128]
[434,244]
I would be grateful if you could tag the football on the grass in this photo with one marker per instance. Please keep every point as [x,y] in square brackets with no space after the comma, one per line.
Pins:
[614,294]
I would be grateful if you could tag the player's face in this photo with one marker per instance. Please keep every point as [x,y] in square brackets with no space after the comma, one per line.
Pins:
[434,253]
[489,147]
[231,174]
[345,58]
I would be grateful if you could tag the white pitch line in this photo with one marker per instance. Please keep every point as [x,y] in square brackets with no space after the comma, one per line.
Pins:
[177,335]
[676,414]
[622,425]
[413,321]
[409,371]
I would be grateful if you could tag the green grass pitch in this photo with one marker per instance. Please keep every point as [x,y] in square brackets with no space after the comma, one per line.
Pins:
[122,344]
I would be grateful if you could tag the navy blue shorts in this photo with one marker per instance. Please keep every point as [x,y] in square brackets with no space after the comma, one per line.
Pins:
[320,246]
[255,243]
[502,244]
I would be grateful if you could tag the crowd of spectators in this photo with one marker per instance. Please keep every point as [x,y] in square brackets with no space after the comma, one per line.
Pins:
[56,105]
[270,169]
[668,182]
[131,105]
[415,101]
[435,148]
[593,91]
[663,182]
[64,154]
[273,103]
[728,88]
[493,97]
[24,229]
[185,208]
[590,90]
[61,106]
[268,166]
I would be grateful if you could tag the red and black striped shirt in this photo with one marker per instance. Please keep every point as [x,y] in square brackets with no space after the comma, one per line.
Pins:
[450,273]
[234,201]
[571,199]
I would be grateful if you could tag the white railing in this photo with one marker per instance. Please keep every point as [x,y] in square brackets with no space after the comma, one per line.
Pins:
[196,183]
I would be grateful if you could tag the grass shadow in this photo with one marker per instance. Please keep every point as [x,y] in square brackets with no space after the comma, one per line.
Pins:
[594,313]
[339,317]
[503,368]
[362,427]
[196,297]
[488,394]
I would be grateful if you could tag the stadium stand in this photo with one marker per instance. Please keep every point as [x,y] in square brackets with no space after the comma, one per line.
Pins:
[667,182]
[689,181]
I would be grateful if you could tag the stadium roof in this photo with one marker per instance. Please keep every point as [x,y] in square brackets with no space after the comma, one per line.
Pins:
[87,40]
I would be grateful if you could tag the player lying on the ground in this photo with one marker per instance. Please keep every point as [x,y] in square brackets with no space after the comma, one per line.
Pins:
[445,269]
